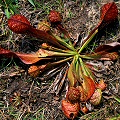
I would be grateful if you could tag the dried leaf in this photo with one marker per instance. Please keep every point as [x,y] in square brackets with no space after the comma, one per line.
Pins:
[97,67]
[108,47]
[34,71]
[105,52]
[44,26]
[110,56]
[70,110]
[25,58]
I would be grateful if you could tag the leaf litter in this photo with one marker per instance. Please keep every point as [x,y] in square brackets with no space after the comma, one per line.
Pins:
[47,101]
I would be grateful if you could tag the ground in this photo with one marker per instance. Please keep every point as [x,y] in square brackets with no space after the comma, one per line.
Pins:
[34,98]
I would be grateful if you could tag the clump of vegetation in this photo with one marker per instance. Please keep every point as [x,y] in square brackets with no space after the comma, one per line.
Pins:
[58,50]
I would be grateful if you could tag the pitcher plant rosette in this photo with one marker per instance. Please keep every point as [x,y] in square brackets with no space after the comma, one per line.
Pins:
[63,52]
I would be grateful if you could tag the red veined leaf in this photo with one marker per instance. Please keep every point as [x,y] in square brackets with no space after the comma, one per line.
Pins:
[89,86]
[106,52]
[96,97]
[109,12]
[70,110]
[73,94]
[25,58]
[19,24]
[87,89]
[54,17]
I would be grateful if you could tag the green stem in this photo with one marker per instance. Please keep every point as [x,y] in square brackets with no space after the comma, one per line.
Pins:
[51,48]
[63,42]
[86,70]
[52,53]
[61,61]
[91,57]
[87,41]
[83,67]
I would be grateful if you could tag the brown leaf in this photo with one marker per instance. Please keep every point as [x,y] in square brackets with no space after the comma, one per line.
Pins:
[105,52]
[34,71]
[25,58]
[110,56]
[70,110]
[108,47]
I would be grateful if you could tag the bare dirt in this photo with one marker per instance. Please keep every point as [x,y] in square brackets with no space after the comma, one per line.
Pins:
[33,101]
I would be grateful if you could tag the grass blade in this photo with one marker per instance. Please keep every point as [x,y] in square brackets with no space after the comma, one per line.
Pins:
[31,2]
